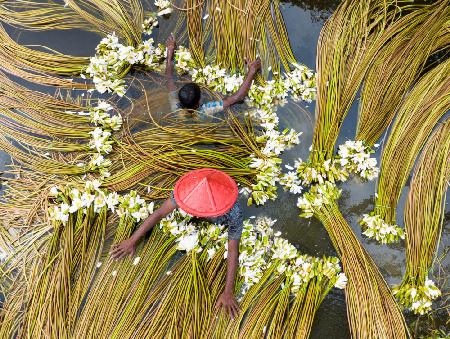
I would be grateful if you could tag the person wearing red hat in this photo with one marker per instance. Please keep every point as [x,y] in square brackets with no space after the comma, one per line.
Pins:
[204,193]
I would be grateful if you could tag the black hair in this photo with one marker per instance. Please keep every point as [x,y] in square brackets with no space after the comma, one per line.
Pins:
[189,96]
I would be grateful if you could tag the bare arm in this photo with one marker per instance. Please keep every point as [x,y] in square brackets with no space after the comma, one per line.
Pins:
[242,92]
[227,299]
[128,246]
[169,63]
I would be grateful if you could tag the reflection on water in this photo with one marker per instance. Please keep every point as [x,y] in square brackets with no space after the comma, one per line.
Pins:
[304,20]
[319,10]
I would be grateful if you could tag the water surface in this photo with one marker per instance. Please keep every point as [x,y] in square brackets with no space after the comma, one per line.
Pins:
[304,20]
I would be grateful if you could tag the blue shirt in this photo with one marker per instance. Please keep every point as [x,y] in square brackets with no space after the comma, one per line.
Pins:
[232,219]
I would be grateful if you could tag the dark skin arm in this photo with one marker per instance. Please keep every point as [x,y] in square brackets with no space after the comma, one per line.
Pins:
[227,299]
[128,247]
[171,44]
[241,93]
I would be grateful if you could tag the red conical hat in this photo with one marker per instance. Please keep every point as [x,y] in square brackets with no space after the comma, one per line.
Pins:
[206,192]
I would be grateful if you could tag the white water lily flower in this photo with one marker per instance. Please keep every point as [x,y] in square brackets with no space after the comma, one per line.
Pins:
[87,199]
[60,213]
[296,189]
[211,251]
[413,293]
[54,191]
[165,11]
[188,242]
[76,205]
[430,289]
[149,23]
[141,214]
[151,207]
[104,106]
[112,201]
[64,208]
[377,228]
[115,122]
[99,202]
[97,160]
[93,185]
[126,53]
[360,157]
[415,305]
[341,282]
[164,7]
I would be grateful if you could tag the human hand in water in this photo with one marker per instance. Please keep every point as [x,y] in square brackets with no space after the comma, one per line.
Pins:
[171,44]
[254,66]
[123,249]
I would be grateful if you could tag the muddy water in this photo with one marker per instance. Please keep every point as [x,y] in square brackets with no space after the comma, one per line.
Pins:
[304,20]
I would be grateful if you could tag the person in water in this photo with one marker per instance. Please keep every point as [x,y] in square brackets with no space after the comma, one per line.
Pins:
[189,96]
[208,194]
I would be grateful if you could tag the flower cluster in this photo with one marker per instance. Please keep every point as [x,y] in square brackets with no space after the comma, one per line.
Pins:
[100,116]
[112,58]
[302,83]
[417,298]
[262,248]
[316,197]
[105,66]
[74,200]
[101,141]
[299,83]
[254,251]
[268,171]
[183,60]
[211,76]
[164,7]
[321,178]
[272,93]
[133,205]
[150,23]
[354,156]
[102,136]
[309,173]
[378,229]
[192,236]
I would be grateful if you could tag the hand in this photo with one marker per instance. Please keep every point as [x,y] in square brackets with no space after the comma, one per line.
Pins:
[254,66]
[123,249]
[171,44]
[229,303]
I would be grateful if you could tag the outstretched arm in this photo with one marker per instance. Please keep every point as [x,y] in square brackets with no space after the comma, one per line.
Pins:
[227,299]
[171,44]
[242,92]
[128,246]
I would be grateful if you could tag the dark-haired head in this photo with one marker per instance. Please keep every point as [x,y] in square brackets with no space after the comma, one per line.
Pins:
[189,96]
